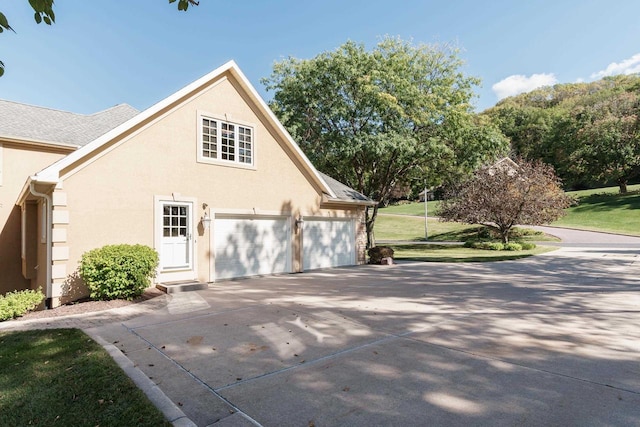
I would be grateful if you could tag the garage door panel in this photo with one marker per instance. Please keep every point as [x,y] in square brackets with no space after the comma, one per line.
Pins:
[328,243]
[251,246]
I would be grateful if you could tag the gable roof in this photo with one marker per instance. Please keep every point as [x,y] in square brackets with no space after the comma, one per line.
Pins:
[344,193]
[334,191]
[31,123]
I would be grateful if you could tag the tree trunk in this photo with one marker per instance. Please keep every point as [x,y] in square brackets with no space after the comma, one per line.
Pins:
[505,235]
[370,222]
[622,183]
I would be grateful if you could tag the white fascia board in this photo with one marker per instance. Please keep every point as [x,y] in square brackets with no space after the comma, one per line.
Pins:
[36,142]
[53,171]
[24,193]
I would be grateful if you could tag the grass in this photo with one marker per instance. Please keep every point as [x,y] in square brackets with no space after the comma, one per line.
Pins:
[449,253]
[605,209]
[601,209]
[412,208]
[63,377]
[410,228]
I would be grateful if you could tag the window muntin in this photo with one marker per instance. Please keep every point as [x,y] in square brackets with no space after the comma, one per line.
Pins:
[245,145]
[209,138]
[174,219]
[225,141]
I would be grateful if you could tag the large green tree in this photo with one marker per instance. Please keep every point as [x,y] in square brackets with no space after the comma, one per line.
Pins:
[378,118]
[609,139]
[43,12]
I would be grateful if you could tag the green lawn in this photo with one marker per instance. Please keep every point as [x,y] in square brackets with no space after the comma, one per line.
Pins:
[412,208]
[62,377]
[448,253]
[410,228]
[605,209]
[602,209]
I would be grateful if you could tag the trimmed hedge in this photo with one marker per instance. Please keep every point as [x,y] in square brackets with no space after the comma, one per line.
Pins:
[377,253]
[497,246]
[118,271]
[512,247]
[17,303]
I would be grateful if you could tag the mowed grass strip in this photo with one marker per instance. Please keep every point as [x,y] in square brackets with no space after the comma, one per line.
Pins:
[600,209]
[457,253]
[410,228]
[605,209]
[62,377]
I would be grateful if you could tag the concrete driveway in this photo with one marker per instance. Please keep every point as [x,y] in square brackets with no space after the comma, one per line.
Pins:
[550,340]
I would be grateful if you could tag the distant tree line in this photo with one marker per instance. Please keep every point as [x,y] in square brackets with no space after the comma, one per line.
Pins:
[589,132]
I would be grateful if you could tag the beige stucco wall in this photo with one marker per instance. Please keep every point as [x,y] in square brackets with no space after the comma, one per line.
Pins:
[19,161]
[111,199]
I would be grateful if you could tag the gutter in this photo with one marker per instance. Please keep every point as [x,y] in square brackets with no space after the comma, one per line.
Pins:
[331,200]
[49,202]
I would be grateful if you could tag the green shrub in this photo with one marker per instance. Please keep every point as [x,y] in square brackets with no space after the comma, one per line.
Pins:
[377,253]
[118,271]
[16,304]
[512,246]
[527,246]
[517,233]
[487,246]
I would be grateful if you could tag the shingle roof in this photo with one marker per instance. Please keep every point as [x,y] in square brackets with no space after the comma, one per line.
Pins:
[29,122]
[344,192]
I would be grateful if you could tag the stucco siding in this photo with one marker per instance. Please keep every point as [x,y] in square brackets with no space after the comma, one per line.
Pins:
[18,162]
[111,198]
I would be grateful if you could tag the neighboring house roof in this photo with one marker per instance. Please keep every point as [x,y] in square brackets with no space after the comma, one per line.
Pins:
[31,123]
[345,193]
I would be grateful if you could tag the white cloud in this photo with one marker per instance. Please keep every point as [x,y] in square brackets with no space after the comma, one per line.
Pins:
[628,66]
[518,83]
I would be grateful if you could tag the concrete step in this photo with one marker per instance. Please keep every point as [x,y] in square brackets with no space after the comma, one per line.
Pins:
[186,286]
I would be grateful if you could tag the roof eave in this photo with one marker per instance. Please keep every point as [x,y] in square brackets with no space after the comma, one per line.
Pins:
[24,193]
[231,67]
[336,201]
[12,139]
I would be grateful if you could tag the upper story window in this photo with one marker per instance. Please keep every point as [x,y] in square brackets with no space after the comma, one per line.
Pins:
[223,141]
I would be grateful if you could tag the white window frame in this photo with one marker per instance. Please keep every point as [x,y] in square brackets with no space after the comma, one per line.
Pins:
[237,125]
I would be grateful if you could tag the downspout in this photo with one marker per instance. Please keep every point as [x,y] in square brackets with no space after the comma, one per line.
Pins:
[49,225]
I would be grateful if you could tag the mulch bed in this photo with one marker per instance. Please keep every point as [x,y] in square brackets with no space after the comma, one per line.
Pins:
[88,306]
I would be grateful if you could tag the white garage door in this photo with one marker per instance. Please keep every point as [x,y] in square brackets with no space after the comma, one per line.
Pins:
[250,246]
[328,243]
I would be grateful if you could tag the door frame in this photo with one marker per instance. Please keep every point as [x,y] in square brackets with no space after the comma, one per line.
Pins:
[190,272]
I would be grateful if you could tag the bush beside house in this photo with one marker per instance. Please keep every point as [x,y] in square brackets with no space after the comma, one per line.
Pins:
[16,304]
[118,271]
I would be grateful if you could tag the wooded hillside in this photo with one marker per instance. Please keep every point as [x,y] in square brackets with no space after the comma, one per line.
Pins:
[590,132]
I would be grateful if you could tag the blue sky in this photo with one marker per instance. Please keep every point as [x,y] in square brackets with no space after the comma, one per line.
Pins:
[102,53]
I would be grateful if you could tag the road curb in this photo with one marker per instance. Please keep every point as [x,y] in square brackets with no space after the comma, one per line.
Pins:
[170,410]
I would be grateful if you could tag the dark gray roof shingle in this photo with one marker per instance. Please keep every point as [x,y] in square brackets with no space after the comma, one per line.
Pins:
[29,122]
[344,192]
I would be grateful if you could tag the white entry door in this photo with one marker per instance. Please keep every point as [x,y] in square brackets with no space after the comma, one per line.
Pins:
[176,241]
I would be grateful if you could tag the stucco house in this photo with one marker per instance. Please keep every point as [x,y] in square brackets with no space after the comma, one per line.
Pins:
[208,177]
